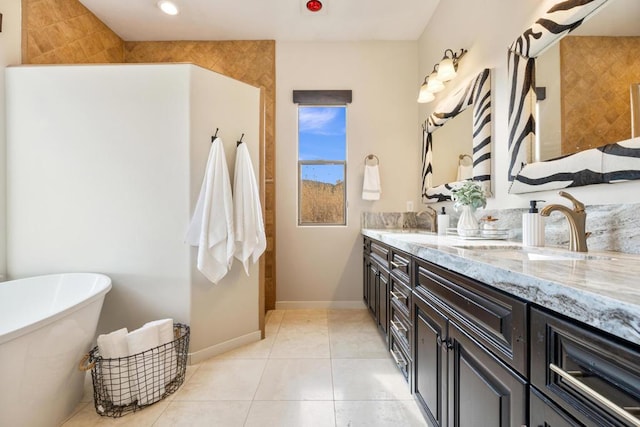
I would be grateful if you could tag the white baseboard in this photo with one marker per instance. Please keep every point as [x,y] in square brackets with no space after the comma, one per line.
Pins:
[223,347]
[297,305]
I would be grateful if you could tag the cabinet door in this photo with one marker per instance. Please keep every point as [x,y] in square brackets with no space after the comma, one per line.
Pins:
[483,391]
[543,413]
[383,300]
[430,358]
[372,280]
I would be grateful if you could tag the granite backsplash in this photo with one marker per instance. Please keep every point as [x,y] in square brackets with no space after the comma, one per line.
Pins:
[613,227]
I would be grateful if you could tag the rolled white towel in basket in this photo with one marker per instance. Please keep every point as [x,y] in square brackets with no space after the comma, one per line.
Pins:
[115,373]
[168,356]
[147,379]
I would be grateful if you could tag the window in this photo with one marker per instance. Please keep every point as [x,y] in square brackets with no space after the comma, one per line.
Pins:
[322,166]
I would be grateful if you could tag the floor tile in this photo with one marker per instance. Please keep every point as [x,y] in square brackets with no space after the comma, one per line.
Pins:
[368,379]
[291,414]
[296,379]
[392,413]
[204,414]
[223,379]
[255,350]
[358,344]
[87,416]
[312,344]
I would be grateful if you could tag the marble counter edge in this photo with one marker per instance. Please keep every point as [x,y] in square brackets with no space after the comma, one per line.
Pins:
[612,315]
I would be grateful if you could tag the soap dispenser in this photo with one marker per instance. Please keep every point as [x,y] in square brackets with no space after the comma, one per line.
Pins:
[443,222]
[533,226]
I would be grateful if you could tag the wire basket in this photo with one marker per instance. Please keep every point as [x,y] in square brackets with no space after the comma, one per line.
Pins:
[127,384]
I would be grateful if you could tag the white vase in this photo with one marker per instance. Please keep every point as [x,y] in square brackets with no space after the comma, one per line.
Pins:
[467,223]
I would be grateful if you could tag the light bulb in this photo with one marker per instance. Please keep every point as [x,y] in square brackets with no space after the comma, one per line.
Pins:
[168,7]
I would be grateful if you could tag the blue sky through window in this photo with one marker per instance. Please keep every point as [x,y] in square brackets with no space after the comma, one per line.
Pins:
[322,135]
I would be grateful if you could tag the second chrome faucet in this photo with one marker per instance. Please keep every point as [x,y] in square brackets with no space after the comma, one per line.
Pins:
[576,217]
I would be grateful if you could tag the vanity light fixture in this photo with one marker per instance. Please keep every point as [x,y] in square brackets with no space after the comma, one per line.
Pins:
[442,72]
[425,96]
[447,69]
[434,84]
[168,7]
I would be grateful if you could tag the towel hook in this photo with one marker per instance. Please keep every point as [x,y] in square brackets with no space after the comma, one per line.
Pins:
[239,141]
[372,157]
[215,135]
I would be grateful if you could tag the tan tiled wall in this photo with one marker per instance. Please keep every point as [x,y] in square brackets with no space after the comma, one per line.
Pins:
[596,74]
[66,32]
[252,62]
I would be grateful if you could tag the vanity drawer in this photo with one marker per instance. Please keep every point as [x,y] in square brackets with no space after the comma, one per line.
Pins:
[497,320]
[380,253]
[594,378]
[400,355]
[399,324]
[400,294]
[401,265]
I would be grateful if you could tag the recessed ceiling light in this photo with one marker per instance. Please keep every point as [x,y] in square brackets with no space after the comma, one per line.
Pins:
[314,5]
[168,7]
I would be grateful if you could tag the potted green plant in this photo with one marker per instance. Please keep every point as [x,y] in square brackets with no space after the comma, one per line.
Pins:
[468,197]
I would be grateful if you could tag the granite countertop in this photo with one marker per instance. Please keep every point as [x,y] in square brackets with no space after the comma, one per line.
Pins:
[601,289]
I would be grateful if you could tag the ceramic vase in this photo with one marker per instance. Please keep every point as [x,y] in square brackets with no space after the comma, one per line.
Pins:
[467,223]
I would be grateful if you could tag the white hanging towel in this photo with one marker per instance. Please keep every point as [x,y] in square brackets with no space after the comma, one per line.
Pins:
[249,226]
[465,172]
[371,189]
[211,227]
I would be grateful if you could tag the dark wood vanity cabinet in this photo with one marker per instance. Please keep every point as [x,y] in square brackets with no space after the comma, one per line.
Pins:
[376,282]
[477,356]
[457,380]
[590,377]
[387,293]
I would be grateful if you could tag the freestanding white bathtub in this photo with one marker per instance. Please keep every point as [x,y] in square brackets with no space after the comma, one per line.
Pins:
[47,323]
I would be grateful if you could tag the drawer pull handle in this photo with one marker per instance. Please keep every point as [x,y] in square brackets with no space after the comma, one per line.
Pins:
[399,327]
[398,296]
[398,264]
[595,395]
[398,358]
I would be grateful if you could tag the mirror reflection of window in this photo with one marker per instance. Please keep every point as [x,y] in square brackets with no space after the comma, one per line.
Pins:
[455,137]
[587,77]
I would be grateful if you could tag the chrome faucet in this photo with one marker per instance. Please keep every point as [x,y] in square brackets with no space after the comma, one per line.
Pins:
[433,215]
[576,218]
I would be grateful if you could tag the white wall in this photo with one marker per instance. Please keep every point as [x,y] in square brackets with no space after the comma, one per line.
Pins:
[487,29]
[10,54]
[322,264]
[230,309]
[105,168]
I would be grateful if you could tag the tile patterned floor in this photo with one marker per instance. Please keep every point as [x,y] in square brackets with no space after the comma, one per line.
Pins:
[314,368]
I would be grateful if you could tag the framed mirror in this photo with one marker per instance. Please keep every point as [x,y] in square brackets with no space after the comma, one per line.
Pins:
[589,151]
[476,94]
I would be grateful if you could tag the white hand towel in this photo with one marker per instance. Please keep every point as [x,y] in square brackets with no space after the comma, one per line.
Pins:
[211,227]
[371,189]
[115,373]
[465,172]
[168,356]
[249,226]
[147,375]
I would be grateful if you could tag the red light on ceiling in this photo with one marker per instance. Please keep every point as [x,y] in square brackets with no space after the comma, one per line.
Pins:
[314,5]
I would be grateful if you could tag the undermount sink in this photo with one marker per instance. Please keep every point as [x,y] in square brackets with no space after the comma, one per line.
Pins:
[534,254]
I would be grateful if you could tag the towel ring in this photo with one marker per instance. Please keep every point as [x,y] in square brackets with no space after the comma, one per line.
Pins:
[461,157]
[372,157]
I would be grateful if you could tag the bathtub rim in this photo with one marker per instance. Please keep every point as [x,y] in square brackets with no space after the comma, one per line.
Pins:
[17,333]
